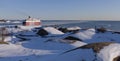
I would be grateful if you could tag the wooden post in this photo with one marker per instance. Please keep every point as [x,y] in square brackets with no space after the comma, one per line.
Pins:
[2,34]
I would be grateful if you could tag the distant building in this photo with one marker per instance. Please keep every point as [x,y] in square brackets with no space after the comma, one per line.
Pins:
[32,22]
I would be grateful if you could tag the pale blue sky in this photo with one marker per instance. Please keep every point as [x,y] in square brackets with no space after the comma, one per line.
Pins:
[61,9]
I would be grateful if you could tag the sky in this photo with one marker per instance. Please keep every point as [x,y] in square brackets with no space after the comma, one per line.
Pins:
[61,9]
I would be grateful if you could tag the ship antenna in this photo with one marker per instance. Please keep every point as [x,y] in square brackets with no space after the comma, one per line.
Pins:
[29,17]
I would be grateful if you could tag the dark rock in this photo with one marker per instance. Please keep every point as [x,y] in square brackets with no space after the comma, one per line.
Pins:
[116,32]
[101,30]
[72,38]
[42,32]
[95,46]
[117,58]
[63,30]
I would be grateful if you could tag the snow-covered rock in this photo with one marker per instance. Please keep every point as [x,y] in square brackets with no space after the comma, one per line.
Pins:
[49,31]
[110,52]
[85,35]
[52,30]
[37,49]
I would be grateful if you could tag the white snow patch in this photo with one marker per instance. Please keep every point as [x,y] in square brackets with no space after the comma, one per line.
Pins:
[85,35]
[52,30]
[12,50]
[110,52]
[28,27]
[73,28]
[78,44]
[8,39]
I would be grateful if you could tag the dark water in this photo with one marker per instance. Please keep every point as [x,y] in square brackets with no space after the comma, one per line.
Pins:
[113,25]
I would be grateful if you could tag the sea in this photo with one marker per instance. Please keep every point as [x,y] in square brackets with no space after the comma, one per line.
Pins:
[111,25]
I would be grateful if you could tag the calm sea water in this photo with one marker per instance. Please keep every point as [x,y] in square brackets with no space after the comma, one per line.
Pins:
[113,25]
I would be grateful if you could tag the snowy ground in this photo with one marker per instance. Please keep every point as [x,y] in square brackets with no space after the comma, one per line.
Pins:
[37,48]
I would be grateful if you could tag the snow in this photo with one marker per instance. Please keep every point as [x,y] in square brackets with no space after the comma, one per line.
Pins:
[52,30]
[28,27]
[78,44]
[28,33]
[110,52]
[18,50]
[90,36]
[40,49]
[34,49]
[78,55]
[85,35]
[73,28]
[16,22]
